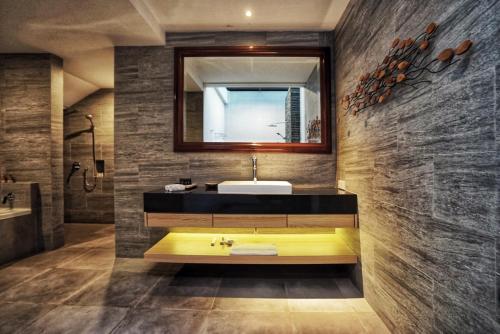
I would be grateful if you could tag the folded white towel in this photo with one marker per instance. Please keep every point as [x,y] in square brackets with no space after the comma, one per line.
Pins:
[254,249]
[175,187]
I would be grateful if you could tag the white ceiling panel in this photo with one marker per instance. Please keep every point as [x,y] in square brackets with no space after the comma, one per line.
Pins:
[84,33]
[217,15]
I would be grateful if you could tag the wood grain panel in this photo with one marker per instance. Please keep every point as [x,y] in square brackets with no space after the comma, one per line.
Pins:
[292,249]
[321,220]
[224,220]
[294,230]
[178,220]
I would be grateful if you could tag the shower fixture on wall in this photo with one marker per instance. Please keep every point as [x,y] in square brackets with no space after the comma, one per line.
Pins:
[86,186]
[98,165]
[75,167]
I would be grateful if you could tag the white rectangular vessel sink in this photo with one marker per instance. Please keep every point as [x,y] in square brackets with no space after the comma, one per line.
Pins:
[255,187]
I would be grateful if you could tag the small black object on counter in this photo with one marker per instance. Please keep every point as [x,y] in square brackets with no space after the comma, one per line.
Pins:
[185,181]
[211,186]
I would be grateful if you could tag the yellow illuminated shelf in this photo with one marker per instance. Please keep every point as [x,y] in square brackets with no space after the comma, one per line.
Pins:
[179,247]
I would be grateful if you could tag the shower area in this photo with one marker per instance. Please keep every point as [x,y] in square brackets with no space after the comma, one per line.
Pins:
[89,159]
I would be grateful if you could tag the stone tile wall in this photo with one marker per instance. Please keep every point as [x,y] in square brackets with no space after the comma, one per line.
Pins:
[31,138]
[425,167]
[98,206]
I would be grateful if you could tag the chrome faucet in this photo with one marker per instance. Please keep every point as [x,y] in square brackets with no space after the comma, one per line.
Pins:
[254,168]
[8,177]
[10,197]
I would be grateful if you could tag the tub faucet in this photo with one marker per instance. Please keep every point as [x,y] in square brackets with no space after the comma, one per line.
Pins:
[254,168]
[8,177]
[10,197]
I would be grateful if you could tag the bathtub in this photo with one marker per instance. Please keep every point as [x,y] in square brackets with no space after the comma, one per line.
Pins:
[20,226]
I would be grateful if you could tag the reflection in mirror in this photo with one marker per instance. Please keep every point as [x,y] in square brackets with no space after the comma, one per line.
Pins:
[252,99]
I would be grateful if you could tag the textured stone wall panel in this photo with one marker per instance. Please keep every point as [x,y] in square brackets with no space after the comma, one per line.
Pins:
[97,206]
[425,168]
[31,138]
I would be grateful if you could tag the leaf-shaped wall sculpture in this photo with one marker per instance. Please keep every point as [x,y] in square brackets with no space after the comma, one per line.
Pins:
[404,64]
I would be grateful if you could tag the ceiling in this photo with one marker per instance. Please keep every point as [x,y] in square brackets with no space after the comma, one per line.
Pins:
[247,70]
[84,33]
[213,15]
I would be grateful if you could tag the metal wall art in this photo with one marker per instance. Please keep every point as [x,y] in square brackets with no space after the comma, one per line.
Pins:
[404,64]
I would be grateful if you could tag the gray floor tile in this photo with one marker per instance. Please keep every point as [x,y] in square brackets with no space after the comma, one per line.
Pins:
[312,288]
[181,292]
[248,322]
[115,289]
[327,323]
[99,293]
[162,321]
[372,323]
[283,271]
[11,276]
[329,305]
[78,320]
[53,286]
[51,259]
[253,271]
[141,266]
[251,294]
[252,288]
[78,233]
[96,259]
[251,304]
[101,242]
[15,317]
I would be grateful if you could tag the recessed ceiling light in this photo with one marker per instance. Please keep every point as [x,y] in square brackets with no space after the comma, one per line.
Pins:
[248,13]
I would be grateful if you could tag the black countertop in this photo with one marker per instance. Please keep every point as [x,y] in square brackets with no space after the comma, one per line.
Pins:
[301,201]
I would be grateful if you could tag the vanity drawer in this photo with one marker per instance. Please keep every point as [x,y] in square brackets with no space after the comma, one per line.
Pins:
[178,220]
[227,220]
[335,220]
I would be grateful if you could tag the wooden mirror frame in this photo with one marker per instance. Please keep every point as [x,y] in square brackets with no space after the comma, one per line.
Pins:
[323,53]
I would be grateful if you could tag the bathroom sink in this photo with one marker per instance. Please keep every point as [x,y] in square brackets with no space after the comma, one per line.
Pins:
[255,187]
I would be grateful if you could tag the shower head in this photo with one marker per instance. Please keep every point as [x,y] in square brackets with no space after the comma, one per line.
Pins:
[75,166]
[90,117]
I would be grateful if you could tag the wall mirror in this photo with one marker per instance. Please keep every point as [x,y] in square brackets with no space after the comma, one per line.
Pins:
[252,99]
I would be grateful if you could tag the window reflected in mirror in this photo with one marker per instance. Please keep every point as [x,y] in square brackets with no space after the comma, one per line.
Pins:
[252,99]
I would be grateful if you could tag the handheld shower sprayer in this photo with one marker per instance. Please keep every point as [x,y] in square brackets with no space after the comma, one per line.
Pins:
[98,165]
[90,118]
[74,168]
[90,187]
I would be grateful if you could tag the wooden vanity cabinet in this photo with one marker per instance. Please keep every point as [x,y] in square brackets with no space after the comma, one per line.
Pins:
[167,220]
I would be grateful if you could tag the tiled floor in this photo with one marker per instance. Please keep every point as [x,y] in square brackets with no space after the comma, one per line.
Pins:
[82,288]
